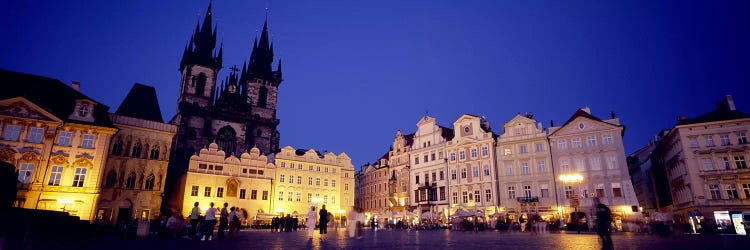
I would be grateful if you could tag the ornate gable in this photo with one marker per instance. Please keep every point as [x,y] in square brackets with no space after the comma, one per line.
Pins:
[20,107]
[583,125]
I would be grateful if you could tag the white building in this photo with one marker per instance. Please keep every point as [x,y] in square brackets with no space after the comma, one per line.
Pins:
[430,170]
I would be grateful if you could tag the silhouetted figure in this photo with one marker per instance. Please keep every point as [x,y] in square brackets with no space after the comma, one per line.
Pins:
[8,185]
[323,217]
[603,223]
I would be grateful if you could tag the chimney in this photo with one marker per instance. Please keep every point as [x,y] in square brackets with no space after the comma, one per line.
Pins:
[551,123]
[729,102]
[76,85]
[612,113]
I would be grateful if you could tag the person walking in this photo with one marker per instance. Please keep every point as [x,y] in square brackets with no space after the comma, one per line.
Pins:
[209,222]
[312,216]
[603,223]
[323,216]
[234,222]
[195,216]
[522,222]
[223,220]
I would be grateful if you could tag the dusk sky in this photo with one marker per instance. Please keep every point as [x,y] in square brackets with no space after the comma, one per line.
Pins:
[357,71]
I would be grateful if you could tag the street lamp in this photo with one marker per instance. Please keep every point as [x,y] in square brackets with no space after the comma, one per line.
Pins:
[574,200]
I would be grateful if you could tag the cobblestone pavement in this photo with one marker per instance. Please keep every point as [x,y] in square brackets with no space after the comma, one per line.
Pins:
[442,239]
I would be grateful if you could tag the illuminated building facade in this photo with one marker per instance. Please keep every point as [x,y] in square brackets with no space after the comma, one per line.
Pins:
[57,138]
[133,182]
[245,182]
[429,170]
[305,178]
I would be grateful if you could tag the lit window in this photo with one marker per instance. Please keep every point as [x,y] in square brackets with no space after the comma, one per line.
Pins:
[486,170]
[485,151]
[317,181]
[511,192]
[309,181]
[299,197]
[724,140]
[461,155]
[24,174]
[220,192]
[194,191]
[207,192]
[522,149]
[79,177]
[35,135]
[475,172]
[591,141]
[12,132]
[88,141]
[463,173]
[281,178]
[473,153]
[54,176]
[524,168]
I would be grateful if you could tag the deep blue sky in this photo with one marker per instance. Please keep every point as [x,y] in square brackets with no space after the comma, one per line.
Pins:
[357,71]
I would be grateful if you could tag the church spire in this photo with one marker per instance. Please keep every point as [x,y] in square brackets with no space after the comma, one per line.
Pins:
[261,58]
[202,44]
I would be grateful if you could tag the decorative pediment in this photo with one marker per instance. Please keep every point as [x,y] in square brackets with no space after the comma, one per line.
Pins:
[22,108]
[83,162]
[59,160]
[85,155]
[7,154]
[583,125]
[30,156]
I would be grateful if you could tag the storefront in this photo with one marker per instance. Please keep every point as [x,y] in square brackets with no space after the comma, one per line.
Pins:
[729,222]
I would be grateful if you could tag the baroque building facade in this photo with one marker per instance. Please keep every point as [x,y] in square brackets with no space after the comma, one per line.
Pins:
[136,167]
[373,188]
[701,166]
[471,167]
[592,150]
[430,164]
[238,114]
[57,138]
[305,178]
[525,176]
[398,166]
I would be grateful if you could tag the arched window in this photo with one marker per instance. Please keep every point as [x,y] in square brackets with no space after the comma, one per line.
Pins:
[130,184]
[117,148]
[146,154]
[262,96]
[201,86]
[150,182]
[111,179]
[136,152]
[155,153]
[227,139]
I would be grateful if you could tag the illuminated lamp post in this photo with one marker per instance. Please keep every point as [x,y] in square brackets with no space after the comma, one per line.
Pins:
[574,199]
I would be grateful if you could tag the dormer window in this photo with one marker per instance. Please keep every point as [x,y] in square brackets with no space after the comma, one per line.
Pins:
[83,110]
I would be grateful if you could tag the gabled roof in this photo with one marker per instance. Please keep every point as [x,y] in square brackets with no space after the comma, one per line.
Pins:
[583,113]
[141,103]
[50,94]
[721,113]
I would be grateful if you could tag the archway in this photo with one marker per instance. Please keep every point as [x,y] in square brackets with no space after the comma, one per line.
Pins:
[227,140]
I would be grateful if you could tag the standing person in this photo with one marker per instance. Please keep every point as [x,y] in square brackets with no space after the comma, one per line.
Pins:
[312,216]
[522,222]
[210,222]
[195,216]
[352,219]
[603,223]
[223,220]
[234,222]
[323,222]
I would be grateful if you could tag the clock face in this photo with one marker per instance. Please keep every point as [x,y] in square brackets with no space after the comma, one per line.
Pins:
[232,89]
[466,129]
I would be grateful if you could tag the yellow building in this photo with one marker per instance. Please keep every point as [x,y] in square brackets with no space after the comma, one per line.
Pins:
[244,182]
[137,164]
[57,138]
[306,178]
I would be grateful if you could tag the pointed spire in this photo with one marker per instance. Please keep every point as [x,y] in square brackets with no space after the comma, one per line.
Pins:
[202,44]
[221,54]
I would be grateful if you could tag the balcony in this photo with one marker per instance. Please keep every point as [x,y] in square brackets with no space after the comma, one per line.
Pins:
[529,199]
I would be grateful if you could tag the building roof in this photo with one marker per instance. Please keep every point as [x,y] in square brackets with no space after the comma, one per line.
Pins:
[446,133]
[584,113]
[721,113]
[50,94]
[141,103]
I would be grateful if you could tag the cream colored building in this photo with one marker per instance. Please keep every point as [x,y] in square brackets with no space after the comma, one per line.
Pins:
[705,162]
[471,166]
[592,148]
[398,172]
[305,178]
[57,138]
[527,183]
[430,194]
[245,182]
[134,174]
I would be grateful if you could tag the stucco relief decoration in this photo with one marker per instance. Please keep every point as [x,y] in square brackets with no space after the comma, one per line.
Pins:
[30,157]
[19,109]
[59,160]
[232,185]
[85,155]
[6,155]
[83,162]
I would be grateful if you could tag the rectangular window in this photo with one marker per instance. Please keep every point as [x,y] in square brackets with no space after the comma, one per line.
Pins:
[488,195]
[576,142]
[346,186]
[79,177]
[416,179]
[325,182]
[715,192]
[309,181]
[299,180]
[282,179]
[64,139]
[253,194]
[416,195]
[35,135]
[564,166]
[527,191]
[24,173]
[607,139]
[465,197]
[473,153]
[453,174]
[611,162]
[426,178]
[709,141]
[724,140]
[511,192]
[455,198]
[596,163]
[220,192]
[88,141]
[739,162]
[281,195]
[540,166]
[522,149]
[562,144]
[432,157]
[477,197]
[317,181]
[309,197]
[461,155]
[291,179]
[509,170]
[475,172]
[299,197]
[416,160]
[290,196]
[333,183]
[12,132]
[453,156]
[731,191]
[524,168]
[194,191]
[544,190]
[207,192]
[724,161]
[708,165]
[426,158]
[616,190]
[591,141]
[693,142]
[568,192]
[242,193]
[580,165]
[442,193]
[741,138]
[55,175]
[485,151]
[746,190]
[507,151]
[463,173]
[486,170]
[539,147]
[333,199]
[599,190]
